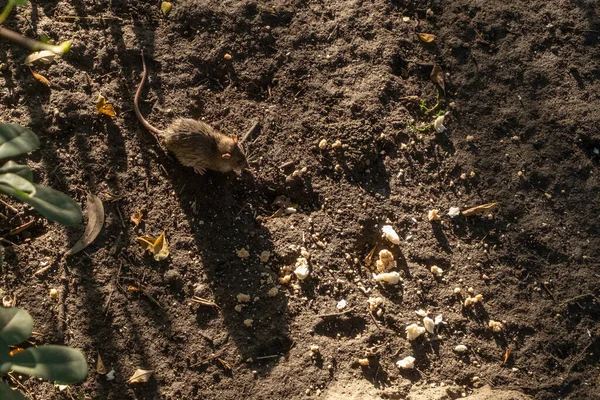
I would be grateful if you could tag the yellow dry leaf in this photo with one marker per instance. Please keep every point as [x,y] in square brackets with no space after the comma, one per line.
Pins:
[100,368]
[140,376]
[161,248]
[165,7]
[103,107]
[132,289]
[146,242]
[426,37]
[41,78]
[479,209]
[136,218]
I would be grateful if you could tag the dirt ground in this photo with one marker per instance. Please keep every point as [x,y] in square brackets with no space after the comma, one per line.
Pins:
[522,84]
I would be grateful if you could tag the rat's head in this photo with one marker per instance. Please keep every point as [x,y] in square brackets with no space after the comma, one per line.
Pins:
[234,157]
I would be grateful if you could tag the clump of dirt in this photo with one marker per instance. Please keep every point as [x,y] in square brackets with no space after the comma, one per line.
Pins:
[521,85]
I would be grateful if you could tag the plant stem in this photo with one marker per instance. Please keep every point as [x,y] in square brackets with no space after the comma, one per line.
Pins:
[6,12]
[34,45]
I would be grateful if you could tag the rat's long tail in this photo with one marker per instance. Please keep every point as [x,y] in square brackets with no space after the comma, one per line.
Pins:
[136,102]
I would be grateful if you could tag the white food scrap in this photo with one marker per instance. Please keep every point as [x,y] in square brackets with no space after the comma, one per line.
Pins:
[301,270]
[390,234]
[429,325]
[374,303]
[264,256]
[406,363]
[243,253]
[495,326]
[391,278]
[386,261]
[413,331]
[243,298]
[433,215]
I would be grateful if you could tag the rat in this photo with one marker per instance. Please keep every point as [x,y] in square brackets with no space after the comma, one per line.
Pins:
[195,143]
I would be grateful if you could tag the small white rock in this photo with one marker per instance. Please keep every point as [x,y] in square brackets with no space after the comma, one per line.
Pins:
[248,322]
[272,292]
[341,304]
[390,234]
[413,331]
[323,144]
[454,212]
[264,256]
[391,278]
[461,348]
[406,363]
[111,375]
[437,271]
[438,319]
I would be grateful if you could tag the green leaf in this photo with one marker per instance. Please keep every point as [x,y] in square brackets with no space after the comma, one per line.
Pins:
[6,393]
[5,360]
[16,139]
[54,205]
[15,325]
[22,170]
[18,183]
[55,363]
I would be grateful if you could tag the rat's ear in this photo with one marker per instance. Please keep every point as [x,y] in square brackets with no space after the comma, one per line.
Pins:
[225,156]
[235,138]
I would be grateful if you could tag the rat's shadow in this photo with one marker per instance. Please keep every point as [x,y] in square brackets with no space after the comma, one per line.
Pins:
[222,217]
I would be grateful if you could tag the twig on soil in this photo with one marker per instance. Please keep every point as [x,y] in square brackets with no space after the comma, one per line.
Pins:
[19,384]
[42,270]
[336,314]
[205,302]
[250,131]
[108,304]
[9,206]
[581,296]
[75,17]
[578,358]
[549,292]
[287,164]
[265,357]
[374,320]
[120,217]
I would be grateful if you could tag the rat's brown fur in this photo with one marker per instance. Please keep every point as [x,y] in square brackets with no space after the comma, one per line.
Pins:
[194,143]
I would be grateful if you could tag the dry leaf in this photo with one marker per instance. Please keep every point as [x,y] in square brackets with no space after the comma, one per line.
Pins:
[506,355]
[159,247]
[146,242]
[132,289]
[437,76]
[165,7]
[41,78]
[479,209]
[100,366]
[136,218]
[140,376]
[103,107]
[16,350]
[95,214]
[43,57]
[21,228]
[426,37]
